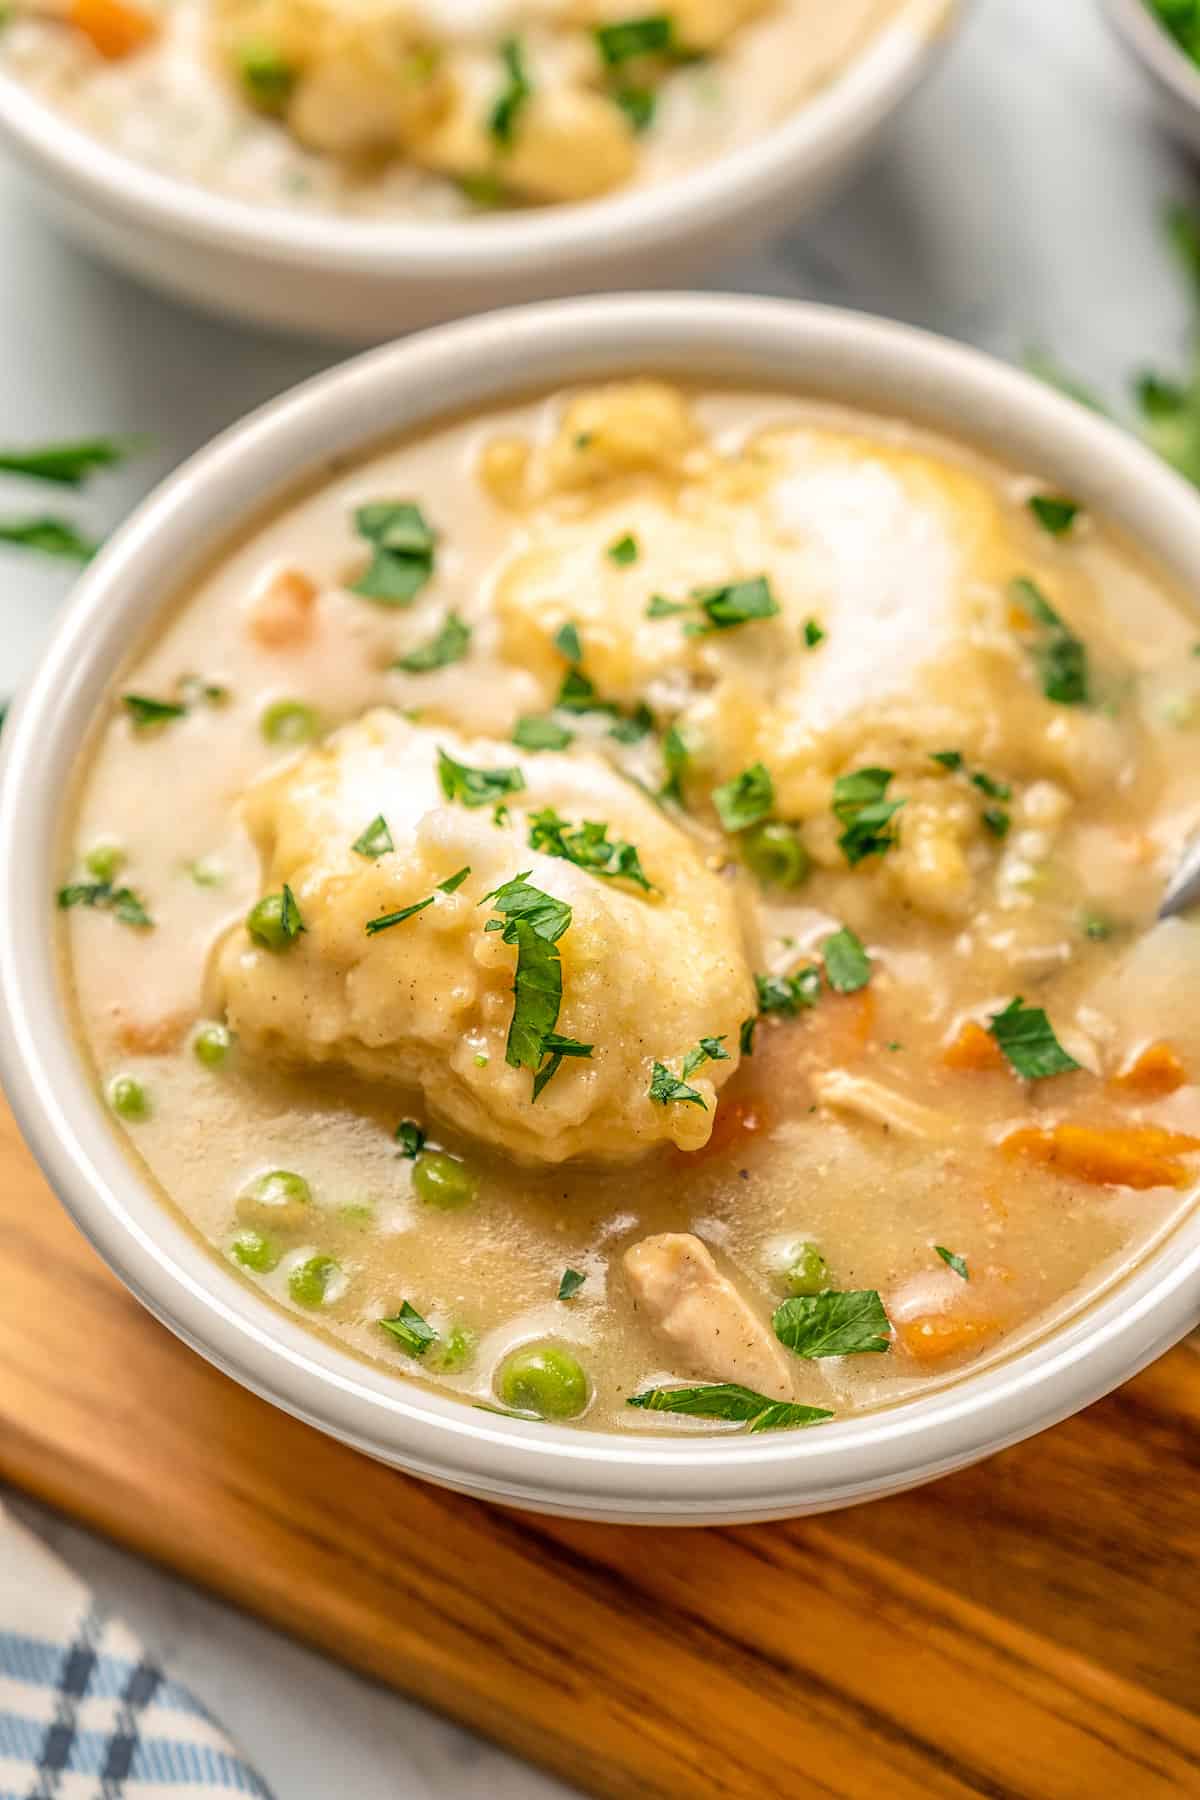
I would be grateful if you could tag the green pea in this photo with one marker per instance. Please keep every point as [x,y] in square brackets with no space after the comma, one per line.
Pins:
[808,1272]
[309,1281]
[271,922]
[775,853]
[444,1181]
[206,871]
[128,1098]
[454,1352]
[105,861]
[254,1251]
[212,1044]
[280,1199]
[288,722]
[543,1379]
[266,76]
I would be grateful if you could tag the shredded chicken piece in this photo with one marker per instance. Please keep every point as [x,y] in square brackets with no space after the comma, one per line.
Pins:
[882,1105]
[700,1312]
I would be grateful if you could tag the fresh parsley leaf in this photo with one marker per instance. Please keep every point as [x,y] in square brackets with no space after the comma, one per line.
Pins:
[729,1400]
[53,537]
[651,35]
[570,1284]
[957,1263]
[69,465]
[666,1088]
[518,899]
[995,790]
[376,840]
[860,805]
[997,821]
[578,694]
[813,634]
[633,729]
[587,846]
[403,546]
[833,1324]
[502,121]
[1061,659]
[122,902]
[709,1049]
[410,1138]
[659,607]
[624,551]
[410,1330]
[453,882]
[1025,1035]
[1054,513]
[567,642]
[448,646]
[746,799]
[557,1048]
[949,759]
[535,733]
[397,918]
[675,761]
[146,712]
[533,921]
[847,965]
[476,787]
[746,1035]
[789,994]
[737,603]
[639,105]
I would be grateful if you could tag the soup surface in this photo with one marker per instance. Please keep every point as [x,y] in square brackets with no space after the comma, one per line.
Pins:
[437,107]
[639,908]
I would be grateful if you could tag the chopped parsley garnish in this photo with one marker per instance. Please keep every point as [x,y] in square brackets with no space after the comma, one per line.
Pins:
[737,603]
[746,799]
[1054,513]
[666,1088]
[949,759]
[1025,1035]
[624,551]
[1060,658]
[476,787]
[995,790]
[536,733]
[746,1032]
[587,846]
[847,965]
[397,918]
[634,728]
[502,121]
[533,922]
[709,1049]
[813,633]
[675,761]
[1096,925]
[453,882]
[860,805]
[376,840]
[639,105]
[122,902]
[410,1138]
[652,35]
[997,820]
[53,537]
[833,1324]
[729,1400]
[570,1284]
[146,712]
[788,994]
[402,545]
[410,1330]
[567,642]
[578,694]
[659,607]
[68,465]
[957,1263]
[448,646]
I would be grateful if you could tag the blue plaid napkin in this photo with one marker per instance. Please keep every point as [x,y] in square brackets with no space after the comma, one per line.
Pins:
[84,1713]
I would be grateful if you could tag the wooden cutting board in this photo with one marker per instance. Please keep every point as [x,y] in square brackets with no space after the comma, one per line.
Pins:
[1028,1628]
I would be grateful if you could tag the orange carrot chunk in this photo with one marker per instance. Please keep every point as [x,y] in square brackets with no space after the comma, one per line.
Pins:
[736,1121]
[1155,1071]
[1134,1156]
[930,1336]
[974,1049]
[115,28]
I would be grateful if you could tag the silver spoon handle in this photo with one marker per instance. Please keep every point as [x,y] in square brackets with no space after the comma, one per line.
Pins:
[1183,889]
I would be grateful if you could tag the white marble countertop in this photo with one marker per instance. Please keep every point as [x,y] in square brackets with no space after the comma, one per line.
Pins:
[1016,203]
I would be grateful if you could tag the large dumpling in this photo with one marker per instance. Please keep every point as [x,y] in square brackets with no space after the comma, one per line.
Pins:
[427,1003]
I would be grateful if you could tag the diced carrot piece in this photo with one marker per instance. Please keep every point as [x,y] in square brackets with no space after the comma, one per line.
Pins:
[1155,1071]
[1138,1156]
[930,1336]
[974,1049]
[152,1036]
[736,1121]
[841,1027]
[115,28]
[282,615]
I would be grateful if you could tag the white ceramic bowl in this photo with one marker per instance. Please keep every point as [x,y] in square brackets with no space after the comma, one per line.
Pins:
[763,343]
[1174,78]
[368,280]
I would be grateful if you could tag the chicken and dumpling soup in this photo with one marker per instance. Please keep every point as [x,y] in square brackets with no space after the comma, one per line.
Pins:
[639,908]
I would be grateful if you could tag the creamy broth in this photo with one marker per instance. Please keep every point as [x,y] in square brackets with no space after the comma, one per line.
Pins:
[201,98]
[720,590]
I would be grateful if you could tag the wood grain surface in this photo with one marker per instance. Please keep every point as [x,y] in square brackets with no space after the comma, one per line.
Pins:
[1028,1628]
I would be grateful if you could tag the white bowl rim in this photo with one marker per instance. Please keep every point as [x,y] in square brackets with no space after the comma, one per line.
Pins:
[1149,38]
[199,507]
[400,251]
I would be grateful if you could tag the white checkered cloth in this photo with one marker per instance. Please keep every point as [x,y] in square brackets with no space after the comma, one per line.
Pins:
[84,1713]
